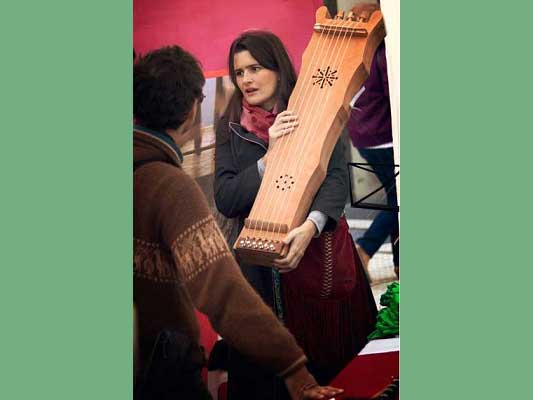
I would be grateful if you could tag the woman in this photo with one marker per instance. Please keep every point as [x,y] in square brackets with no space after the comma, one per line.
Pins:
[322,294]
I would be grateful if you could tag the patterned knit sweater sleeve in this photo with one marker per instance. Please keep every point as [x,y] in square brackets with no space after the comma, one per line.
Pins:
[215,282]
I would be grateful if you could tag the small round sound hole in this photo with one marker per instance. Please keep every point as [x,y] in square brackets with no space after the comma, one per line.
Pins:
[285,182]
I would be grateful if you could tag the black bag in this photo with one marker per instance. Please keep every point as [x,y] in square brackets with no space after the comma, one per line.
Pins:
[173,370]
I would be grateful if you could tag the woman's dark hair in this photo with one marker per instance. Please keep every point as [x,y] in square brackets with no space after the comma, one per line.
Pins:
[269,51]
[166,83]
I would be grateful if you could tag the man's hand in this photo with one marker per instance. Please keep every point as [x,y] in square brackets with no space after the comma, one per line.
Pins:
[320,392]
[298,239]
[302,386]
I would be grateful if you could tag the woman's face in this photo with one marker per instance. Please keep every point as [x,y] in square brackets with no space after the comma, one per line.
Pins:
[256,83]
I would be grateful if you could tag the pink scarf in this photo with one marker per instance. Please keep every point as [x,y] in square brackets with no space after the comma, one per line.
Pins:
[257,120]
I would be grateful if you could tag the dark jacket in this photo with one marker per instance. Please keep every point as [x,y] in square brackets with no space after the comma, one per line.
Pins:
[237,178]
[370,119]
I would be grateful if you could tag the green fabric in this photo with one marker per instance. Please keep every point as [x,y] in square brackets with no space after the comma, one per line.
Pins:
[388,319]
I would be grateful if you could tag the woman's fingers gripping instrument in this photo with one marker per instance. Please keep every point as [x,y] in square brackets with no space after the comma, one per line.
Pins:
[285,123]
[298,239]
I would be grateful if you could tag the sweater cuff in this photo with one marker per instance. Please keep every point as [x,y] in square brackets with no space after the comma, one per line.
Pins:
[319,219]
[261,167]
[295,366]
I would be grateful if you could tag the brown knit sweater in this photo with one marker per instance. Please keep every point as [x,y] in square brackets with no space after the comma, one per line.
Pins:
[181,261]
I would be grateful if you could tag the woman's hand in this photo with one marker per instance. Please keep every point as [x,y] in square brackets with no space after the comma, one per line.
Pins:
[302,386]
[298,239]
[285,123]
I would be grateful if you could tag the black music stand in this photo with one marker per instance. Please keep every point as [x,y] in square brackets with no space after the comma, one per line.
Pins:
[360,203]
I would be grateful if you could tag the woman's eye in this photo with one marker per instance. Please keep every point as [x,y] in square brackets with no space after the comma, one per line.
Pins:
[238,73]
[256,68]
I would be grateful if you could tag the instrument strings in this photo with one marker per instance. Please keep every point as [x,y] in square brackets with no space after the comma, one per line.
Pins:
[311,107]
[281,159]
[318,112]
[271,189]
[307,106]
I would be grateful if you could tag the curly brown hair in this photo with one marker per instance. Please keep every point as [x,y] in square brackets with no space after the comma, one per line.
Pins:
[166,83]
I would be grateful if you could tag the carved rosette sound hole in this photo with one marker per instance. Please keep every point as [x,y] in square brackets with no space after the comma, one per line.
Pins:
[323,77]
[258,244]
[284,182]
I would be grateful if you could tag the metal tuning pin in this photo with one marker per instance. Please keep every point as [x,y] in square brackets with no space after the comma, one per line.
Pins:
[340,15]
[363,16]
[268,245]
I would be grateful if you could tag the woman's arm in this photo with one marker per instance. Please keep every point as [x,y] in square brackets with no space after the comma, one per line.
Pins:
[333,193]
[234,189]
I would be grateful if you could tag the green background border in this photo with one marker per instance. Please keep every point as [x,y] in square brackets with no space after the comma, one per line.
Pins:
[66,208]
[65,215]
[465,219]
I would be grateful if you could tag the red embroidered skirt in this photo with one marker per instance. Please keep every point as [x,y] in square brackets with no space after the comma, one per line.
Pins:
[328,303]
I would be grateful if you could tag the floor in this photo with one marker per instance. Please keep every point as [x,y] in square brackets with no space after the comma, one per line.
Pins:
[381,267]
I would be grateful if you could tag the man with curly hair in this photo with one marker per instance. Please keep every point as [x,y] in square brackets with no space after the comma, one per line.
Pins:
[180,259]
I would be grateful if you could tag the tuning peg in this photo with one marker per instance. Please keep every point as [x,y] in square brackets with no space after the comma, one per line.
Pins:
[363,16]
[340,15]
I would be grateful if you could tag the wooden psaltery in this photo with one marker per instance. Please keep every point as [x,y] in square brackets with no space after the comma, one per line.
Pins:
[334,66]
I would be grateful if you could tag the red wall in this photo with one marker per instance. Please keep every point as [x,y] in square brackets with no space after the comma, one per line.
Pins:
[207,28]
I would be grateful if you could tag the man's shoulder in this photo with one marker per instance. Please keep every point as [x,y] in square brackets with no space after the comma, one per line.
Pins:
[160,170]
[166,181]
